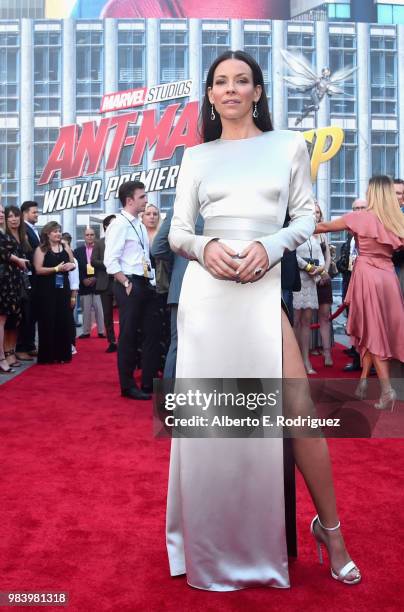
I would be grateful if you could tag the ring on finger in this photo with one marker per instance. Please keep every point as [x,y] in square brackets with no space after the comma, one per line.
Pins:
[258,271]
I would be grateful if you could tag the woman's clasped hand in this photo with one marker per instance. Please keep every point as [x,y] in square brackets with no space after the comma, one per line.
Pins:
[246,267]
[66,267]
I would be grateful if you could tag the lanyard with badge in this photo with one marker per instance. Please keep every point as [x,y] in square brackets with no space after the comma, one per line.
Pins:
[59,277]
[89,269]
[310,260]
[147,269]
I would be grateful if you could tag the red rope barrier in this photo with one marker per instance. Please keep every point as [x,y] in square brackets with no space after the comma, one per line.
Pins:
[333,316]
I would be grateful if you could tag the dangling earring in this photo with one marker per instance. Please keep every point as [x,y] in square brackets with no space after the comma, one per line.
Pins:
[212,113]
[255,111]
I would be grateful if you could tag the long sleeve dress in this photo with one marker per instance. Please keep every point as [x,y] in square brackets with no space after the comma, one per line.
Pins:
[225,508]
[10,282]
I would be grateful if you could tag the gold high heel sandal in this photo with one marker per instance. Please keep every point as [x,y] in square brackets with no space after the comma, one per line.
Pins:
[347,568]
[387,398]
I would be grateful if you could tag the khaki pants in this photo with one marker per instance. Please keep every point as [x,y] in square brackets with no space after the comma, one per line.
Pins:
[89,303]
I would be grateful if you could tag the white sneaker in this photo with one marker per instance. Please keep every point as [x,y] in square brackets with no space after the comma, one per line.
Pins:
[74,350]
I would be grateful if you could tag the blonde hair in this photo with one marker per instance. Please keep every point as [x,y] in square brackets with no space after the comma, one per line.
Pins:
[382,201]
[317,205]
[150,205]
[321,237]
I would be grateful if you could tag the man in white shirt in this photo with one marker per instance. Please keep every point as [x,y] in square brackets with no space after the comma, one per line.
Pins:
[127,257]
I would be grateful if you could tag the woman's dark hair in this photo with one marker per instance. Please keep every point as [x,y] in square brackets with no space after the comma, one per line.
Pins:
[22,232]
[107,221]
[212,130]
[46,230]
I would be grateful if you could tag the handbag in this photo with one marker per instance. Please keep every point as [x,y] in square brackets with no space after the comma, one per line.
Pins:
[162,276]
[25,286]
[333,270]
[342,264]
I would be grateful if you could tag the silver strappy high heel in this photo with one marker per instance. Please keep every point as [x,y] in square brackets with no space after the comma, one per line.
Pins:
[387,400]
[361,389]
[348,567]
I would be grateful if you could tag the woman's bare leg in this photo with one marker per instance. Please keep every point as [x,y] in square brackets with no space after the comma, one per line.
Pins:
[367,362]
[296,323]
[313,460]
[383,373]
[324,321]
[10,341]
[305,331]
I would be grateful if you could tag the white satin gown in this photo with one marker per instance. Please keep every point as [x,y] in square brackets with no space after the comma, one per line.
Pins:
[225,507]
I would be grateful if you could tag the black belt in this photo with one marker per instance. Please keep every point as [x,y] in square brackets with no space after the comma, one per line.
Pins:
[135,276]
[138,277]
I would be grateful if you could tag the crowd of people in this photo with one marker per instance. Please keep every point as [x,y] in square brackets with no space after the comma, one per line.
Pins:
[43,280]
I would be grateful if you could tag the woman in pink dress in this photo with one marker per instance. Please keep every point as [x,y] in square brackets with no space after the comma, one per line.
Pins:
[376,305]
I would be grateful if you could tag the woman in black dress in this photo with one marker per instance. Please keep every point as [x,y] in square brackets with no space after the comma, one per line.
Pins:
[53,261]
[15,229]
[11,266]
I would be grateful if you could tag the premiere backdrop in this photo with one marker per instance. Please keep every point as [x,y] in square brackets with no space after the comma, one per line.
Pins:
[55,70]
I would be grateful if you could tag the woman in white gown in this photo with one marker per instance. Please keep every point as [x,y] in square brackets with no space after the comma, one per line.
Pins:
[225,508]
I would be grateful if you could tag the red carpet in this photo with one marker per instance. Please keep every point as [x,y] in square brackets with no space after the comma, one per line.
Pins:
[83,486]
[340,360]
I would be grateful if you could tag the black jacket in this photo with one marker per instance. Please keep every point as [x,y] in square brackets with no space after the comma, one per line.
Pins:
[32,237]
[343,262]
[290,275]
[398,258]
[81,256]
